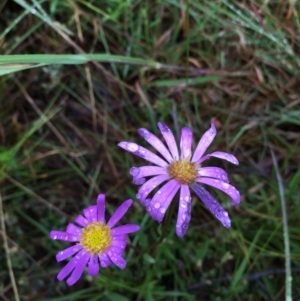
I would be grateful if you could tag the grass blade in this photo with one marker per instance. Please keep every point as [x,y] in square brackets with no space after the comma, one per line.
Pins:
[288,279]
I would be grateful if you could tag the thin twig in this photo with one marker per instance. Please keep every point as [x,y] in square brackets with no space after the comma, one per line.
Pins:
[60,137]
[3,297]
[91,97]
[5,243]
[39,198]
[288,274]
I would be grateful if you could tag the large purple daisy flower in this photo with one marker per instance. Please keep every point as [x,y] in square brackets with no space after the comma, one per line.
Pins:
[182,172]
[98,243]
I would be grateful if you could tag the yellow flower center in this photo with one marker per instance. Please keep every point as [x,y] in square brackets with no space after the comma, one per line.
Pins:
[183,171]
[96,238]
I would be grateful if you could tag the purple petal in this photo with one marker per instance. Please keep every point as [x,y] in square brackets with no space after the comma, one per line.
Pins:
[62,255]
[91,213]
[117,260]
[104,260]
[170,140]
[156,143]
[162,210]
[73,229]
[80,220]
[120,244]
[143,153]
[119,238]
[212,204]
[93,266]
[213,172]
[221,155]
[115,250]
[150,185]
[125,229]
[204,143]
[60,235]
[223,186]
[146,171]
[119,213]
[101,208]
[184,211]
[162,199]
[86,213]
[145,202]
[138,181]
[186,143]
[68,268]
[77,272]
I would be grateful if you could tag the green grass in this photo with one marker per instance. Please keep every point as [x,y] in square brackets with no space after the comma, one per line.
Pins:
[79,77]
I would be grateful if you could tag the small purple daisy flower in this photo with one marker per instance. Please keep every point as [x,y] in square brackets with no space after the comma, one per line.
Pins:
[98,243]
[182,172]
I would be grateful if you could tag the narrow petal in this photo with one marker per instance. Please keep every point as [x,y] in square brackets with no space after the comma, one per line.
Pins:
[93,213]
[117,260]
[161,200]
[223,186]
[213,172]
[67,269]
[143,153]
[119,238]
[86,213]
[104,260]
[162,210]
[120,244]
[147,187]
[125,229]
[119,213]
[156,143]
[145,202]
[60,235]
[212,204]
[115,250]
[204,143]
[101,208]
[138,181]
[186,143]
[184,211]
[73,229]
[170,140]
[93,266]
[80,220]
[146,171]
[62,255]
[77,272]
[90,213]
[221,155]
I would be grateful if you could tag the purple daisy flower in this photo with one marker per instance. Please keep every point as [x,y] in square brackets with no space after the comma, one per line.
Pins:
[182,172]
[97,243]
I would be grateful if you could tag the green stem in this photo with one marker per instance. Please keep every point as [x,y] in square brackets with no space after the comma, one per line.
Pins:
[288,274]
[166,224]
[165,227]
